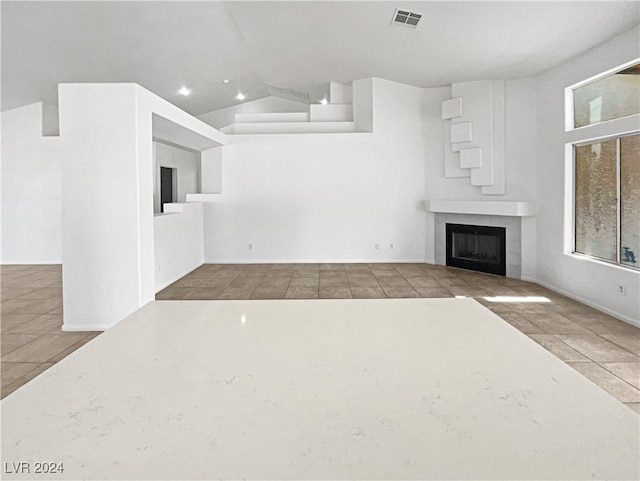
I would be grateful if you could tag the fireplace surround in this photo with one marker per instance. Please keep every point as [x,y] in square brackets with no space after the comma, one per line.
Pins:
[520,238]
[476,247]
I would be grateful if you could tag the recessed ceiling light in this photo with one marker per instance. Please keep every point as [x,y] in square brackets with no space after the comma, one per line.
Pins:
[241,96]
[226,81]
[324,101]
[184,91]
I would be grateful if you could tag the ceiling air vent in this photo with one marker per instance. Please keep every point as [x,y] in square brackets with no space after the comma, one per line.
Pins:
[406,18]
[288,93]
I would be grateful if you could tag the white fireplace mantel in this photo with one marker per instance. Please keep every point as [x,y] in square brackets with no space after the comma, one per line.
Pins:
[482,207]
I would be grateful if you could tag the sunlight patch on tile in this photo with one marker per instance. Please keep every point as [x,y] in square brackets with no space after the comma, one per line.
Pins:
[517,299]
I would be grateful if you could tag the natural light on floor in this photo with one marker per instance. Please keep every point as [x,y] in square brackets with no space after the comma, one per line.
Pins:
[517,299]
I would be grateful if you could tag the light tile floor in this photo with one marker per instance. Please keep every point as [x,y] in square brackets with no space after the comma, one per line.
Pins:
[602,348]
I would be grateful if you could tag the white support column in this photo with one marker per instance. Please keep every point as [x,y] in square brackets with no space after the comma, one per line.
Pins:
[107,209]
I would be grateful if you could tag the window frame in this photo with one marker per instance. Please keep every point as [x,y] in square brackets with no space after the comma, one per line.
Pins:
[569,111]
[618,236]
[588,134]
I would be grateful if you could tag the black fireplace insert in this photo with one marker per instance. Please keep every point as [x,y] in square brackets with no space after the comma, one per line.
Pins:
[477,247]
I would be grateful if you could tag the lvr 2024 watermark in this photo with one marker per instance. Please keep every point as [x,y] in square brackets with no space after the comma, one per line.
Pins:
[23,467]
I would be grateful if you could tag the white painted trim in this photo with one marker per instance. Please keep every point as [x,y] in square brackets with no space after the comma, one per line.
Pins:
[174,208]
[603,130]
[86,328]
[316,261]
[568,109]
[602,75]
[482,207]
[587,258]
[569,196]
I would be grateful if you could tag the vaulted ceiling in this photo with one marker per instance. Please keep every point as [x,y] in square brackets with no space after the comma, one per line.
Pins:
[166,45]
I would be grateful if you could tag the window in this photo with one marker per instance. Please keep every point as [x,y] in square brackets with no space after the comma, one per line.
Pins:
[608,98]
[606,167]
[607,199]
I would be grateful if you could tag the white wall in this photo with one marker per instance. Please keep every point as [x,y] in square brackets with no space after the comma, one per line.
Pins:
[434,160]
[328,197]
[340,93]
[592,282]
[211,171]
[223,117]
[362,96]
[187,165]
[31,188]
[521,162]
[178,245]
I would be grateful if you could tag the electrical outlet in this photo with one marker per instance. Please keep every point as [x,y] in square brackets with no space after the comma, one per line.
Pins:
[622,290]
[391,246]
[376,246]
[250,247]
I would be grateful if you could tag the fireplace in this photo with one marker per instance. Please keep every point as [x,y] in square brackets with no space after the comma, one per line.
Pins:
[475,247]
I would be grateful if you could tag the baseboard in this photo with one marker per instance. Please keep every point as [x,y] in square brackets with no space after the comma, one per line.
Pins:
[167,284]
[570,295]
[31,263]
[530,279]
[85,328]
[316,261]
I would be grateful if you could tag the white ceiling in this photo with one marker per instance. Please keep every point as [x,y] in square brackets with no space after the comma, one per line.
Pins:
[165,45]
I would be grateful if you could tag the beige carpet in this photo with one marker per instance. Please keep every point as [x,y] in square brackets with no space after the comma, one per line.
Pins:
[329,389]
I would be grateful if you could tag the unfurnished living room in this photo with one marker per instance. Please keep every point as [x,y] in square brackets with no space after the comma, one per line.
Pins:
[320,240]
